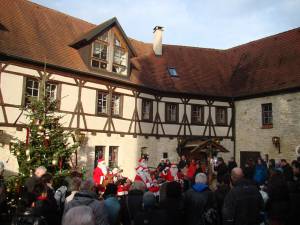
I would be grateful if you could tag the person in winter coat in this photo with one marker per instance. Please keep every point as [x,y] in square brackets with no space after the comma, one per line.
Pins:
[221,169]
[132,203]
[260,173]
[231,164]
[112,204]
[79,215]
[220,193]
[278,204]
[243,203]
[287,170]
[294,192]
[31,181]
[87,196]
[173,204]
[151,215]
[197,199]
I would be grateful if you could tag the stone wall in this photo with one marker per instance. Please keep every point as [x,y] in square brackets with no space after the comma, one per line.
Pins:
[250,136]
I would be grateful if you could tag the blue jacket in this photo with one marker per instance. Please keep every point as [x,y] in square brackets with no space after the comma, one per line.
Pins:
[260,174]
[112,206]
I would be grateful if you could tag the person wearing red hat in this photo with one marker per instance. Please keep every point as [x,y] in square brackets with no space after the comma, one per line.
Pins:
[100,172]
[173,173]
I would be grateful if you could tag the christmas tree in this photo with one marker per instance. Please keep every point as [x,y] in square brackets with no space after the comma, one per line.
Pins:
[47,143]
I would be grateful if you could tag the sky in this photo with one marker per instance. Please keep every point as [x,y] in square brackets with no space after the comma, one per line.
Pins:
[217,24]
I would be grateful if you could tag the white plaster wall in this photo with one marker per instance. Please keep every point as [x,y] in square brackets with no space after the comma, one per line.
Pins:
[69,98]
[23,70]
[88,99]
[10,162]
[128,107]
[12,88]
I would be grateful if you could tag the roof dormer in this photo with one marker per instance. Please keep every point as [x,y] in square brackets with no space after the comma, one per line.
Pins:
[109,48]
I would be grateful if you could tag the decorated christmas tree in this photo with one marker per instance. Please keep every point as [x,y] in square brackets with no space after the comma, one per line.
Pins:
[47,143]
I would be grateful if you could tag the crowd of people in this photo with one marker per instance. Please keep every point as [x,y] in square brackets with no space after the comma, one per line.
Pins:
[173,193]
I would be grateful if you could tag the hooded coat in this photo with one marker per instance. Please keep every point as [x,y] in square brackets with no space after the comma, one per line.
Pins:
[89,198]
[196,200]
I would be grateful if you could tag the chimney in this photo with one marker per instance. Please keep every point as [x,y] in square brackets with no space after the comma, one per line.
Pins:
[157,42]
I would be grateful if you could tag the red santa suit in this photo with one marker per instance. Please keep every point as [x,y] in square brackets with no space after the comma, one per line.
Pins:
[172,174]
[100,172]
[142,173]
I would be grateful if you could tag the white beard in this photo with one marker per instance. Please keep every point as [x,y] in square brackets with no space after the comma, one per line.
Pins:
[104,169]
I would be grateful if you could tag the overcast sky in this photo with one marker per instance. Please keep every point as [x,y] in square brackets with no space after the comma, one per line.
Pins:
[202,23]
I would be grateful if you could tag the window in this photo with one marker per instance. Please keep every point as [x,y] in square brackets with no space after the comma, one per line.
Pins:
[102,103]
[172,72]
[51,90]
[165,155]
[267,117]
[221,116]
[197,114]
[116,105]
[147,109]
[108,53]
[99,154]
[32,90]
[113,156]
[171,112]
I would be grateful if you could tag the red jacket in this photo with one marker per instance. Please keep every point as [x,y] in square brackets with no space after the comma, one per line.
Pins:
[97,174]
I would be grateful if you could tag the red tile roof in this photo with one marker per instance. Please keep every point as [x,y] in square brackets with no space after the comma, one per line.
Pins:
[37,33]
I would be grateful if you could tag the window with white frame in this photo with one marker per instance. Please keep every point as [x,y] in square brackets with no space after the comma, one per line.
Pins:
[221,116]
[147,109]
[51,90]
[171,112]
[197,114]
[32,90]
[102,102]
[110,44]
[115,104]
[267,115]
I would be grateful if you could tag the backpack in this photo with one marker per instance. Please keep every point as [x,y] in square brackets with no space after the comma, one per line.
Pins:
[210,215]
[60,196]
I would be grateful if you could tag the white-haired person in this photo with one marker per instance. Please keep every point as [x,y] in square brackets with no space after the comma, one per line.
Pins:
[87,196]
[31,181]
[79,215]
[197,199]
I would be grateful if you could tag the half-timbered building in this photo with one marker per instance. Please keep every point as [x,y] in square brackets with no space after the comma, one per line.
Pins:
[126,97]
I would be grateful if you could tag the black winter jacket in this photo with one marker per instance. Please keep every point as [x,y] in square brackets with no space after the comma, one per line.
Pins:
[242,205]
[196,200]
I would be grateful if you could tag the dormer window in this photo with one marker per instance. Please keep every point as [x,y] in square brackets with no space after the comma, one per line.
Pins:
[172,72]
[109,53]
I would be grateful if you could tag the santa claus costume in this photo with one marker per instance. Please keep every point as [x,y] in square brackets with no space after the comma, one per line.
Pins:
[142,173]
[100,172]
[172,174]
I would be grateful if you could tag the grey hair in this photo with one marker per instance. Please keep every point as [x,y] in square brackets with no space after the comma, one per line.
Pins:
[1,167]
[41,168]
[79,215]
[201,178]
[87,185]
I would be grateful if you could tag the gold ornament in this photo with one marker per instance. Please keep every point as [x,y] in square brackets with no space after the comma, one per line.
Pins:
[27,152]
[54,162]
[18,153]
[41,128]
[8,190]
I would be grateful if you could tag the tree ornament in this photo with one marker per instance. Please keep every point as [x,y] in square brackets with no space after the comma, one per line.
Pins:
[41,128]
[54,162]
[27,152]
[18,153]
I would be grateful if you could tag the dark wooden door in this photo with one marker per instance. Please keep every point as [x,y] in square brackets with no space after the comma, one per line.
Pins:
[244,156]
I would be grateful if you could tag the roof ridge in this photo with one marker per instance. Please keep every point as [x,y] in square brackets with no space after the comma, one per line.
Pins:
[264,38]
[57,11]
